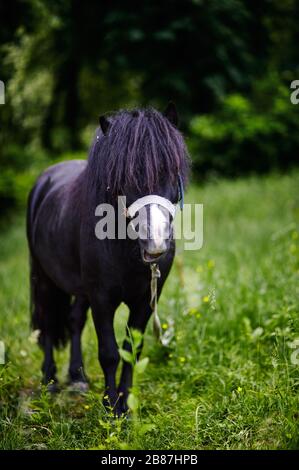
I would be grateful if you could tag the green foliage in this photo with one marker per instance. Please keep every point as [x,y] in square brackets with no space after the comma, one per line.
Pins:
[245,134]
[227,381]
[227,65]
[19,169]
[30,88]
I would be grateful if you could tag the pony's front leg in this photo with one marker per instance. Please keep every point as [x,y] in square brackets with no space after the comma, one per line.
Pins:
[103,314]
[140,313]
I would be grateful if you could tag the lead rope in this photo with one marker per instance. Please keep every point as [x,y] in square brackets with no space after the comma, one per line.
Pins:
[163,338]
[154,301]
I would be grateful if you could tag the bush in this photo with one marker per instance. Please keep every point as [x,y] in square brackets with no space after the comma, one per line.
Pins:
[19,169]
[247,135]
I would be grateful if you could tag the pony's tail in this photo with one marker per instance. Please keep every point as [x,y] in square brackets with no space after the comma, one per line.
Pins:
[49,306]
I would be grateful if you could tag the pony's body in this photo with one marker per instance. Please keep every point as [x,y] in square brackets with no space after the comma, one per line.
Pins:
[52,202]
[69,262]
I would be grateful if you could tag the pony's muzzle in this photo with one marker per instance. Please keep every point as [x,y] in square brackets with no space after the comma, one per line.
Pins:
[153,227]
[153,250]
[151,257]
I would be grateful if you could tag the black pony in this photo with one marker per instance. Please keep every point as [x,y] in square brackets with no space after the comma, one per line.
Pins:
[135,153]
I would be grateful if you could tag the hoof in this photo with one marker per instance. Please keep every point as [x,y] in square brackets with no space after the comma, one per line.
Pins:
[117,406]
[53,387]
[122,410]
[78,387]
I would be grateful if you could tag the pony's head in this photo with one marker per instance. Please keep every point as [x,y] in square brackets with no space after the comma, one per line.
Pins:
[142,153]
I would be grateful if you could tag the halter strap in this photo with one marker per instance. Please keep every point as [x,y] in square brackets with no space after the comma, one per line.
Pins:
[150,199]
[181,192]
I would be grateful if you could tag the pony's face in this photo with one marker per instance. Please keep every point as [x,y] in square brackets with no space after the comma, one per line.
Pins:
[156,232]
[154,225]
[144,154]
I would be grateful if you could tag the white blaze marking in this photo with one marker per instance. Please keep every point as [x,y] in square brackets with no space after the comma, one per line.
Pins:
[159,226]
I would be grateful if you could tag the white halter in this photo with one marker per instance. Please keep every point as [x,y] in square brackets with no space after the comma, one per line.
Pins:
[151,199]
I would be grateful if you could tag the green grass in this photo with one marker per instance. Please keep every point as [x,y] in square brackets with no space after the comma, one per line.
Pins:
[226,382]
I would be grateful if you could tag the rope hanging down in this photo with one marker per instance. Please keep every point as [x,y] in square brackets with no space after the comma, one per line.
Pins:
[165,338]
[154,301]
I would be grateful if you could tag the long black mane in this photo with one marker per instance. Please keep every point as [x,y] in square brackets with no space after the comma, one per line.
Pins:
[140,149]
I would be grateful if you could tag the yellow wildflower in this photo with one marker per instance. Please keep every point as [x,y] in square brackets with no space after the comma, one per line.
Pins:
[193,311]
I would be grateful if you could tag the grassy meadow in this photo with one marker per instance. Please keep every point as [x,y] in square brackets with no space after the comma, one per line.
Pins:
[230,377]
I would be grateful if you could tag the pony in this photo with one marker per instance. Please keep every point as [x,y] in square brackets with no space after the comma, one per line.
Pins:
[134,153]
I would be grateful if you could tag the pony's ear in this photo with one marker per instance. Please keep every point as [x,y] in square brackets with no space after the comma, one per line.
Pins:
[171,113]
[104,123]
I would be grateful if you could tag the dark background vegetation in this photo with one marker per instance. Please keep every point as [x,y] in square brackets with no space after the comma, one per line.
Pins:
[227,65]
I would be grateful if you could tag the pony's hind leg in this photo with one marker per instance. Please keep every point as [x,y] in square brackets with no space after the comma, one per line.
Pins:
[50,309]
[77,321]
